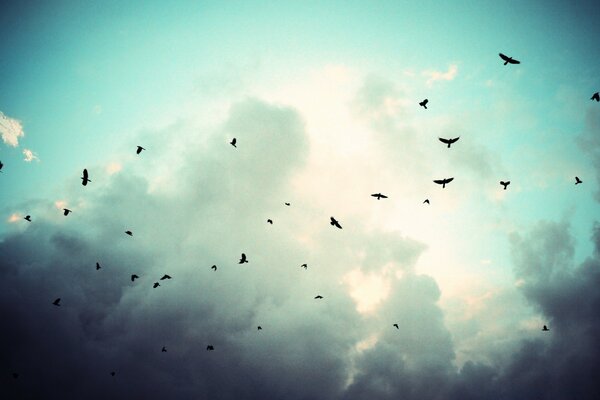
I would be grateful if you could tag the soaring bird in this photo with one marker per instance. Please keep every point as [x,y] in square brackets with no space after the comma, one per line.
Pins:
[318,297]
[134,277]
[508,60]
[243,259]
[84,178]
[448,141]
[505,184]
[156,284]
[426,201]
[443,182]
[379,196]
[165,276]
[15,375]
[27,218]
[396,325]
[56,302]
[139,150]
[1,165]
[66,211]
[129,233]
[578,181]
[424,103]
[164,349]
[214,267]
[335,223]
[259,328]
[545,328]
[304,266]
[287,204]
[270,221]
[112,373]
[233,142]
[98,266]
[210,347]
[595,96]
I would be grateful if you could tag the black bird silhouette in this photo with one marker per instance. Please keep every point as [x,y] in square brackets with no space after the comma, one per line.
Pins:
[233,142]
[396,325]
[98,266]
[545,328]
[210,347]
[214,267]
[505,184]
[379,196]
[448,141]
[270,221]
[259,328]
[287,204]
[335,223]
[84,178]
[66,211]
[304,266]
[15,375]
[156,284]
[112,373]
[243,259]
[508,60]
[578,181]
[424,103]
[27,218]
[1,165]
[595,96]
[129,233]
[426,201]
[443,182]
[164,349]
[318,297]
[134,277]
[165,276]
[139,150]
[56,302]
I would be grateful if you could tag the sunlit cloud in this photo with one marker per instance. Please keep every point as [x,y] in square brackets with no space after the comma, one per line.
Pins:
[434,76]
[30,155]
[11,130]
[60,204]
[13,218]
[367,290]
[113,168]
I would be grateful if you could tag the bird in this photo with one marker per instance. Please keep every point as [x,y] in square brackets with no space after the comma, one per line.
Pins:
[304,266]
[396,325]
[134,277]
[426,201]
[545,328]
[164,349]
[505,184]
[259,328]
[508,60]
[379,196]
[595,96]
[66,211]
[112,373]
[448,141]
[270,221]
[156,284]
[1,165]
[27,218]
[318,297]
[56,302]
[443,182]
[98,266]
[243,259]
[233,142]
[578,181]
[129,233]
[335,223]
[210,347]
[165,276]
[424,103]
[287,204]
[15,375]
[214,267]
[84,178]
[139,150]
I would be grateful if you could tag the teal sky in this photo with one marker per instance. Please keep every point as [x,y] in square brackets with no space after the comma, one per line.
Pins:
[342,80]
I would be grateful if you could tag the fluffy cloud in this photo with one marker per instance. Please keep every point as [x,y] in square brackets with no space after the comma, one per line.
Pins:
[433,76]
[11,130]
[30,155]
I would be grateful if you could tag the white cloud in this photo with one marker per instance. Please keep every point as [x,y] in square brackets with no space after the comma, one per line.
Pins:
[441,76]
[11,130]
[30,155]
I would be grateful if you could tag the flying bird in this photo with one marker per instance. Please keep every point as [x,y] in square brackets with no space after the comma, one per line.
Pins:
[335,223]
[129,233]
[66,211]
[270,221]
[448,141]
[84,178]
[1,165]
[595,96]
[210,347]
[164,349]
[165,276]
[396,325]
[139,150]
[505,184]
[27,218]
[56,302]
[578,181]
[259,328]
[426,201]
[15,375]
[287,204]
[304,266]
[112,373]
[233,142]
[134,277]
[214,267]
[508,60]
[443,182]
[156,284]
[379,196]
[545,328]
[318,297]
[424,103]
[98,266]
[243,259]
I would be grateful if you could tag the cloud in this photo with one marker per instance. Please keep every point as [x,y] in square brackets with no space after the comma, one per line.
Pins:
[589,141]
[11,130]
[434,76]
[30,155]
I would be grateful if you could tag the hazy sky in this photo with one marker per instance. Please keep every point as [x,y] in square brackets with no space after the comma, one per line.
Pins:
[323,100]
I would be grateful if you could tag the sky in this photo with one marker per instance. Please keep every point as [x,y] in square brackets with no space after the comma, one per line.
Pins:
[323,100]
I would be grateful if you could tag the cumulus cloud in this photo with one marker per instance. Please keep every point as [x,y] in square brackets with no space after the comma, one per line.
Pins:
[434,76]
[30,155]
[11,130]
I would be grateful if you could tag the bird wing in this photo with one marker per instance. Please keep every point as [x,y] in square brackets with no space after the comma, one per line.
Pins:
[445,140]
[376,195]
[440,181]
[448,180]
[502,56]
[85,174]
[337,224]
[383,196]
[454,140]
[513,61]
